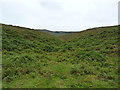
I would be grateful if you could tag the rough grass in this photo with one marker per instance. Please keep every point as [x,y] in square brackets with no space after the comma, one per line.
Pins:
[35,59]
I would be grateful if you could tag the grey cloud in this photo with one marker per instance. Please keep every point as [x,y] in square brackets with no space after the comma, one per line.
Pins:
[51,5]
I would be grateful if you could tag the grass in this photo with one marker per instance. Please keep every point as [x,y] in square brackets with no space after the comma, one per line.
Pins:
[37,59]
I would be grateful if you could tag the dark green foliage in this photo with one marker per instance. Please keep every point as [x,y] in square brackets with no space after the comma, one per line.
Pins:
[36,59]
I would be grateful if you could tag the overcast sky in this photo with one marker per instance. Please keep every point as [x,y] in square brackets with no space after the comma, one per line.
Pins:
[59,15]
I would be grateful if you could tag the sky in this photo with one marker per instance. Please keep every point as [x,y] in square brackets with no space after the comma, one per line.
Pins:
[59,15]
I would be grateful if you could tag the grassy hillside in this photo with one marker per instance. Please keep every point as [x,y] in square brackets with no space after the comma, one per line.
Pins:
[36,59]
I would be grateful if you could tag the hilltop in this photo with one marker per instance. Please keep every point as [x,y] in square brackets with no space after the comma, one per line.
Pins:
[44,59]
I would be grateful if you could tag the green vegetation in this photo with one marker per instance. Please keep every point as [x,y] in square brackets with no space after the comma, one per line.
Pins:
[37,59]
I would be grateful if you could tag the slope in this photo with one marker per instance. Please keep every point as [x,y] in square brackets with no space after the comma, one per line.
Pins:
[35,59]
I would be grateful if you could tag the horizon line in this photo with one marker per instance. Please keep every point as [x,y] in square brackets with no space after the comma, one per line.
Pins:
[42,29]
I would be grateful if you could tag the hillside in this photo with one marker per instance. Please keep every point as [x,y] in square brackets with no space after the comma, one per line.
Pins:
[56,33]
[38,59]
